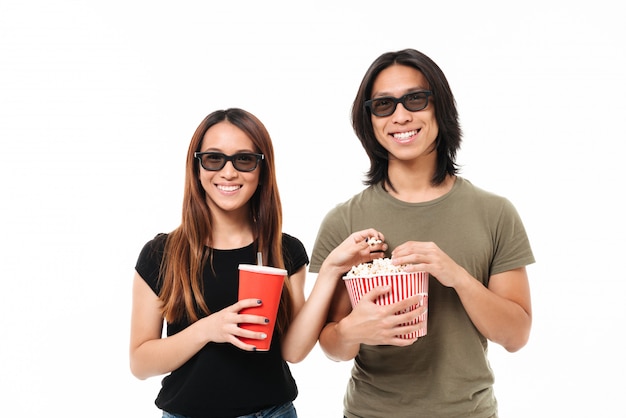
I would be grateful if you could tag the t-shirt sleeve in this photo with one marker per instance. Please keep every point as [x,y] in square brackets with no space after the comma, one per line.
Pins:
[294,254]
[333,231]
[512,246]
[149,262]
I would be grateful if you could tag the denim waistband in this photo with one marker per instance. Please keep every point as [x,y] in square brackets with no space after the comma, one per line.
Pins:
[286,410]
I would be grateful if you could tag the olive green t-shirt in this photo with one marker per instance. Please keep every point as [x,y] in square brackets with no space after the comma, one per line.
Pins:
[445,373]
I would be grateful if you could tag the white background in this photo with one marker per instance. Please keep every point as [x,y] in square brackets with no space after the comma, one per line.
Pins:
[98,102]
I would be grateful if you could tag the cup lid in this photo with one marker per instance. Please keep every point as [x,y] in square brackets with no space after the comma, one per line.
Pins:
[263,269]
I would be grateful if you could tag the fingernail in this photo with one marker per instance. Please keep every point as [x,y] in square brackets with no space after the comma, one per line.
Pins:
[267,320]
[263,336]
[259,302]
[253,348]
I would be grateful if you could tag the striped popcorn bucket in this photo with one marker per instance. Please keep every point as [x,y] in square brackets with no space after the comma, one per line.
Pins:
[403,285]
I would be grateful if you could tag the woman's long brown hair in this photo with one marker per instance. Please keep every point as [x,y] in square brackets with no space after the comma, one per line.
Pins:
[185,256]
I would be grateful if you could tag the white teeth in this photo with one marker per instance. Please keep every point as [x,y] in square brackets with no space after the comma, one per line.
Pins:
[405,135]
[228,188]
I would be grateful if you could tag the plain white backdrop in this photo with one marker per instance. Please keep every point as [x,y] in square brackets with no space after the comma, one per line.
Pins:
[98,102]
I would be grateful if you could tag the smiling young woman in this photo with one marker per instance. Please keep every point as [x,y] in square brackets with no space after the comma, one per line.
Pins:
[188,279]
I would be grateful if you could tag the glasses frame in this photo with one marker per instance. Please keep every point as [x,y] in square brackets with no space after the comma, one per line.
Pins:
[403,99]
[231,158]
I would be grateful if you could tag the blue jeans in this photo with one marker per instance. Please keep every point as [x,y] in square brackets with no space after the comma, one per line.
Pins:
[286,410]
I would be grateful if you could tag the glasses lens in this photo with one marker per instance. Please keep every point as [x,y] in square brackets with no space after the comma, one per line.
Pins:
[245,162]
[213,161]
[383,106]
[415,101]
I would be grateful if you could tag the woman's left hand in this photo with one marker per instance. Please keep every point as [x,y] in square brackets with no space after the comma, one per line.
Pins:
[360,247]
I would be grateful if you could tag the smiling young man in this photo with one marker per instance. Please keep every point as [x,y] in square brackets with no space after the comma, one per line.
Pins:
[471,242]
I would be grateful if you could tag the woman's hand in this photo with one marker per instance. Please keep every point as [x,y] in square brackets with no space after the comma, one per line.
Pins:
[360,247]
[223,326]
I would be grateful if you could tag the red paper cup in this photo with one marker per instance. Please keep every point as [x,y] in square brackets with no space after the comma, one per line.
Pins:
[264,283]
[403,285]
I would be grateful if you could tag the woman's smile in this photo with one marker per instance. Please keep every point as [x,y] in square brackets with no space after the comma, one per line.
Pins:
[228,188]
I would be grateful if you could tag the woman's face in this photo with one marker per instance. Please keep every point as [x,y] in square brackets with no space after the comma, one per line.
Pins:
[406,135]
[228,190]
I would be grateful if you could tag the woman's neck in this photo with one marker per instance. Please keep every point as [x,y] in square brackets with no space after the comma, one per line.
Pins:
[231,232]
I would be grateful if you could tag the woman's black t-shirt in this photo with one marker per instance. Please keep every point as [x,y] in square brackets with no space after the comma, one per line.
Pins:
[221,380]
